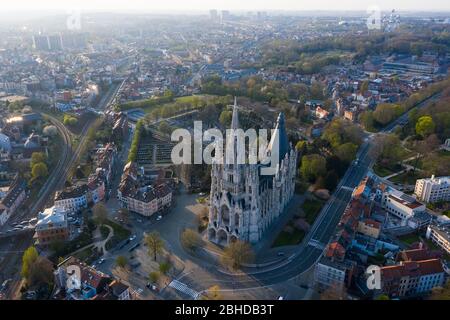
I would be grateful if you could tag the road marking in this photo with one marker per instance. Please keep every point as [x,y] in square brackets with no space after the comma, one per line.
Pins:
[316,243]
[184,288]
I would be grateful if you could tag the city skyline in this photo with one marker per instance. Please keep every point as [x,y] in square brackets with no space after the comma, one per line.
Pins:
[203,5]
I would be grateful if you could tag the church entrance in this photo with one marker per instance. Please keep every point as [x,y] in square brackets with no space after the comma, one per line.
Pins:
[222,237]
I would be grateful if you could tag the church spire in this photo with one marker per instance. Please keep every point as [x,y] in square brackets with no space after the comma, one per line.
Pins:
[280,138]
[235,118]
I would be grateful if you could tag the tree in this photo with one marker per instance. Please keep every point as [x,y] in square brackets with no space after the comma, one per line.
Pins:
[37,157]
[425,126]
[164,127]
[347,151]
[441,293]
[213,293]
[100,213]
[301,146]
[383,297]
[190,239]
[364,86]
[154,276]
[313,166]
[164,267]
[225,118]
[331,180]
[367,120]
[154,243]
[39,170]
[50,131]
[121,261]
[387,148]
[41,273]
[29,257]
[237,253]
[385,113]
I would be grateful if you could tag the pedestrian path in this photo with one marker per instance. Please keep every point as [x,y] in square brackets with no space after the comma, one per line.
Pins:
[184,288]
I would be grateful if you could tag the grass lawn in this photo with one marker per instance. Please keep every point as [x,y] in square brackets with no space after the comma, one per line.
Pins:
[88,255]
[409,238]
[288,239]
[382,171]
[312,209]
[407,178]
[120,234]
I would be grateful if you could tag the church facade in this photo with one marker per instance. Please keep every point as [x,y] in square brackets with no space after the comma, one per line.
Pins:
[243,202]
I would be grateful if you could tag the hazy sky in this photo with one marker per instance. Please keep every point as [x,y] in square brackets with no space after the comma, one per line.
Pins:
[163,5]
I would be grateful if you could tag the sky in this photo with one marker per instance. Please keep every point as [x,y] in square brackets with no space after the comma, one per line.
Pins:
[204,5]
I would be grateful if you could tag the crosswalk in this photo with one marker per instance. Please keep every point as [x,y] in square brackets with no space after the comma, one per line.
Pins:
[316,243]
[184,288]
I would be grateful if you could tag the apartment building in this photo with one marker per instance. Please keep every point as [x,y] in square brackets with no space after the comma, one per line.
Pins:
[14,198]
[440,235]
[412,278]
[434,189]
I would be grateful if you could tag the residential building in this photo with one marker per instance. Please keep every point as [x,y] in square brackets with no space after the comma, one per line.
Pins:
[369,227]
[412,278]
[91,283]
[52,226]
[72,199]
[143,199]
[16,195]
[432,190]
[440,235]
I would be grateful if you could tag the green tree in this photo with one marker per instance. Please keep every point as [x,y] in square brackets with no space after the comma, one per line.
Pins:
[154,276]
[313,166]
[37,157]
[425,126]
[154,243]
[28,259]
[225,118]
[367,120]
[39,170]
[347,151]
[237,253]
[121,261]
[164,267]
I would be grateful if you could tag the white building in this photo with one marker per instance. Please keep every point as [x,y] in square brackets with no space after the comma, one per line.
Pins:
[244,202]
[331,273]
[440,235]
[72,199]
[433,189]
[401,205]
